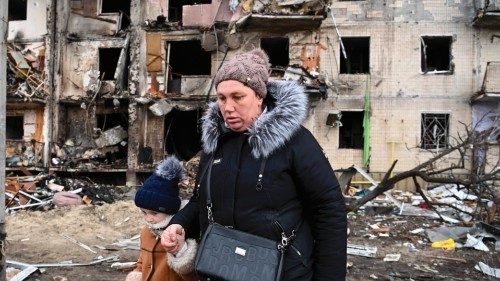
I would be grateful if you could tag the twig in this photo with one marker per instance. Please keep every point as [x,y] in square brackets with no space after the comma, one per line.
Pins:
[79,243]
[12,198]
[446,258]
[63,264]
[95,18]
[419,190]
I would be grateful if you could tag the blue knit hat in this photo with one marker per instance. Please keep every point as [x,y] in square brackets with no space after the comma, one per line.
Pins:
[160,192]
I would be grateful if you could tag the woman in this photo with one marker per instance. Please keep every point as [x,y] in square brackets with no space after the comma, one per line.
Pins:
[252,120]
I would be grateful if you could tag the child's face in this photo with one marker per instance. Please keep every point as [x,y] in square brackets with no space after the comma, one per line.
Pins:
[152,217]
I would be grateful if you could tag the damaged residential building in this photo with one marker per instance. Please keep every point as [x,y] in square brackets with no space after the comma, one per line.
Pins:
[109,88]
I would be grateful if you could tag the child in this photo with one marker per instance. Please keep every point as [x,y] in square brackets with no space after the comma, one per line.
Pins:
[158,199]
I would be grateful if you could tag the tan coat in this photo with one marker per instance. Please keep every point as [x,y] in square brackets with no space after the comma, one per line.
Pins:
[152,263]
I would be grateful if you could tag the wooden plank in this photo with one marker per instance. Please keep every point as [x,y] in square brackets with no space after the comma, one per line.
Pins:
[38,125]
[154,61]
[361,250]
[19,60]
[24,274]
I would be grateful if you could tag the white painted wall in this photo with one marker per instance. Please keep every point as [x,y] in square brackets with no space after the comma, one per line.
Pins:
[35,25]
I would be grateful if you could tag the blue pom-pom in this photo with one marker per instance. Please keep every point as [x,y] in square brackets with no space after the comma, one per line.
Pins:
[170,169]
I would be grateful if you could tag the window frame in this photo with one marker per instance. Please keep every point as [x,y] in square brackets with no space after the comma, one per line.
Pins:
[20,116]
[342,59]
[342,112]
[25,18]
[423,62]
[430,144]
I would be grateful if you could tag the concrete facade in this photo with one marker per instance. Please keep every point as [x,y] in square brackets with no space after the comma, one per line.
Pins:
[151,88]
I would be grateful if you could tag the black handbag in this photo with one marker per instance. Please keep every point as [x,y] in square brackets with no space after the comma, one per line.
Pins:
[228,254]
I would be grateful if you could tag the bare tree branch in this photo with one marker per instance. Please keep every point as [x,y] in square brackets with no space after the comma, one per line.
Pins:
[453,165]
[419,190]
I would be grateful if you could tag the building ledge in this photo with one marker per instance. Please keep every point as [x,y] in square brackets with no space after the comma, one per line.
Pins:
[486,97]
[29,168]
[280,22]
[95,170]
[487,19]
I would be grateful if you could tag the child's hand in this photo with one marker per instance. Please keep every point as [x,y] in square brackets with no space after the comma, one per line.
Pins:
[172,238]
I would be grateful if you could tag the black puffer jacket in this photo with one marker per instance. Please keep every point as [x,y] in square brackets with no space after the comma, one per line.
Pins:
[298,185]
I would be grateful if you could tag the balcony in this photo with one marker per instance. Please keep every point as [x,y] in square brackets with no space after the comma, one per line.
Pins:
[489,15]
[490,90]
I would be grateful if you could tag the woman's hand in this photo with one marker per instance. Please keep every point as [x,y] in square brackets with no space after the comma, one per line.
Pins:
[172,238]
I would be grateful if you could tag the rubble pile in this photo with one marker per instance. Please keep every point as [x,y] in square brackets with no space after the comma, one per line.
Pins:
[107,150]
[187,185]
[45,191]
[25,72]
[449,229]
[292,7]
[19,153]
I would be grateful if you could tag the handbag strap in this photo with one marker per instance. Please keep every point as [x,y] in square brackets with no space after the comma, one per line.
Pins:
[209,164]
[209,196]
[286,240]
[258,185]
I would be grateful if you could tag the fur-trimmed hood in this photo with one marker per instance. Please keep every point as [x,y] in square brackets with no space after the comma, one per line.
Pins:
[272,129]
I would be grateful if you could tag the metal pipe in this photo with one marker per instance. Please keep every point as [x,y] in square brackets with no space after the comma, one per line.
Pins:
[4,7]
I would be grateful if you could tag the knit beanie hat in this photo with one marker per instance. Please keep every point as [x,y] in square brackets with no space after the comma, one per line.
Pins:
[250,68]
[160,192]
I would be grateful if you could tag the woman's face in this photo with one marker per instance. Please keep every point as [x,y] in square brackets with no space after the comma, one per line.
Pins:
[152,217]
[239,104]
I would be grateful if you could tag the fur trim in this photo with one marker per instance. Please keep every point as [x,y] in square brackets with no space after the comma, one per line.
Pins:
[134,276]
[158,228]
[170,169]
[183,203]
[272,129]
[184,264]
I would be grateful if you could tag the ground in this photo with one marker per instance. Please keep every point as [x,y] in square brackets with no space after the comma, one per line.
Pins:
[37,237]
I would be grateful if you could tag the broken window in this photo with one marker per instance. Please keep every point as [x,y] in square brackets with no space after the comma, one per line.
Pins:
[111,120]
[18,10]
[436,53]
[358,55]
[186,58]
[175,8]
[434,130]
[277,48]
[351,131]
[122,7]
[14,127]
[108,61]
[182,135]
